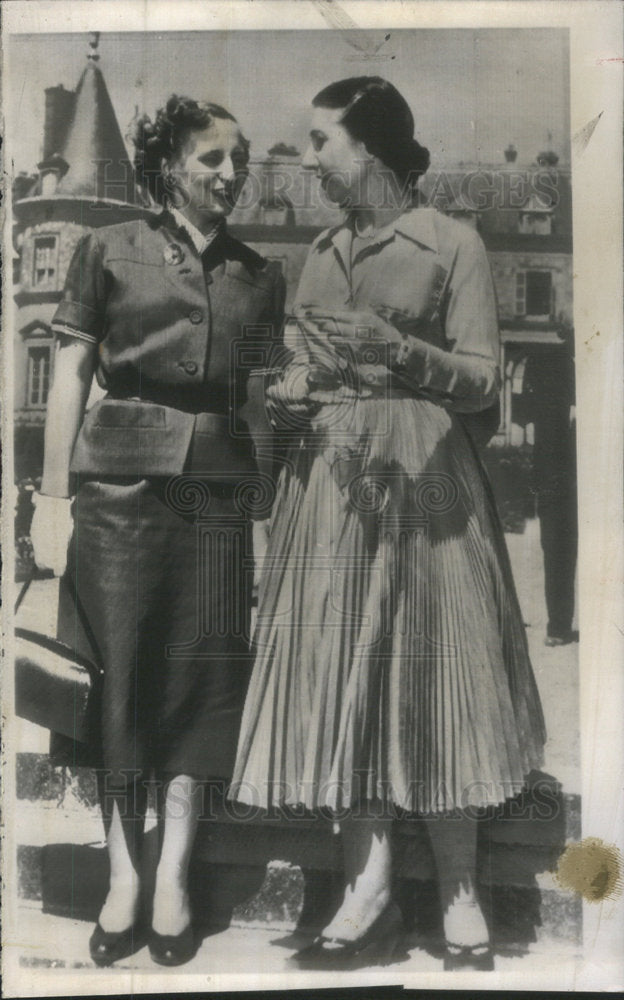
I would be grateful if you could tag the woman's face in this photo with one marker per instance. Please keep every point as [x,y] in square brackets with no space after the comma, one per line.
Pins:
[341,162]
[211,170]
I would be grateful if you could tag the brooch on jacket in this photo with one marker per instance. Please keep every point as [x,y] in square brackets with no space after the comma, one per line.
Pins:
[173,254]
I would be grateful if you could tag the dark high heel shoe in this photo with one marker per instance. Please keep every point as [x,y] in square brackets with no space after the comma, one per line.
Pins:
[375,947]
[172,949]
[479,957]
[106,947]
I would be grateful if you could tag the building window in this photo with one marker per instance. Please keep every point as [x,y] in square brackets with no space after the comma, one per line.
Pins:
[281,261]
[44,271]
[277,211]
[534,294]
[38,375]
[469,218]
[535,223]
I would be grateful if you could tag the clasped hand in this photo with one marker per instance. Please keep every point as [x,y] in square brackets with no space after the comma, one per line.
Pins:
[361,336]
[336,343]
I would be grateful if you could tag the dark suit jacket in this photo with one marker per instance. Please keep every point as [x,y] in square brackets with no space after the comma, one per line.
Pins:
[178,337]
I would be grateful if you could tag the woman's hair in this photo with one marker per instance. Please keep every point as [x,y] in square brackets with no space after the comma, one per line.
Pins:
[376,114]
[165,137]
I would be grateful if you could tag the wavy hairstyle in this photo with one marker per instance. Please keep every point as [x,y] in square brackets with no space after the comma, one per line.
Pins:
[165,137]
[376,114]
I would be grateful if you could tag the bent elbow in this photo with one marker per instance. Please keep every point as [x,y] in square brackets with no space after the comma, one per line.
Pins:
[483,389]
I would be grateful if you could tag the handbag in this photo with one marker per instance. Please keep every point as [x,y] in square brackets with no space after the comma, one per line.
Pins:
[55,686]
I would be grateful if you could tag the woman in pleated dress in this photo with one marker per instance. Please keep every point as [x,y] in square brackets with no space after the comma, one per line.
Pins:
[392,670]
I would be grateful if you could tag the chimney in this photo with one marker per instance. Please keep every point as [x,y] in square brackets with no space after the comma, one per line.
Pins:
[59,110]
[511,153]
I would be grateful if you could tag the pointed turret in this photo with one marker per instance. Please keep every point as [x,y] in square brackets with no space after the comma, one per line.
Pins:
[90,173]
[94,149]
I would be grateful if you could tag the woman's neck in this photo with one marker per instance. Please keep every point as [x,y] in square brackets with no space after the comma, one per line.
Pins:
[370,220]
[379,208]
[204,224]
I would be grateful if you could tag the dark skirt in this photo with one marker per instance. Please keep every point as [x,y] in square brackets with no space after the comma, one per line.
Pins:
[163,570]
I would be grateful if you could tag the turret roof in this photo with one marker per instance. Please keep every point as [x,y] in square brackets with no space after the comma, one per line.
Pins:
[93,143]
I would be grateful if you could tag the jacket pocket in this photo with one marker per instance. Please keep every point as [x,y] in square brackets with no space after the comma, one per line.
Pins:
[127,413]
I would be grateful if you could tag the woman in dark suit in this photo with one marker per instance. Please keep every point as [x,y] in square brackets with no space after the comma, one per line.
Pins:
[155,308]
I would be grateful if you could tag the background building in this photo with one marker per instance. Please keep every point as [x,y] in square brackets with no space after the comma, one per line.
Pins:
[84,180]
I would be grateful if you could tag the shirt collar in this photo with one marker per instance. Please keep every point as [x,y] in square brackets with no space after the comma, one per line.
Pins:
[199,241]
[417,224]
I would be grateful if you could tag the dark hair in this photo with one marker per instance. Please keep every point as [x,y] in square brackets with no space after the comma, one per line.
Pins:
[164,138]
[376,114]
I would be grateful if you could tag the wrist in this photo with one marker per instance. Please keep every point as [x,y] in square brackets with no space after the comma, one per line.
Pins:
[51,499]
[55,485]
[401,354]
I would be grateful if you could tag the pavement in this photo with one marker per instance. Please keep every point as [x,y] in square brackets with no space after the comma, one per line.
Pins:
[260,955]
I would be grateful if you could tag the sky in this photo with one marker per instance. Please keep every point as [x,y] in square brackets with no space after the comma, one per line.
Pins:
[471,91]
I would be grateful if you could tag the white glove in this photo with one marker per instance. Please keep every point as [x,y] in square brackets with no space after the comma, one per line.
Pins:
[50,532]
[260,541]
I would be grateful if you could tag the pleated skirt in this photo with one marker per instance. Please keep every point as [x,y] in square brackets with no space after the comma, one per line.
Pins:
[391,656]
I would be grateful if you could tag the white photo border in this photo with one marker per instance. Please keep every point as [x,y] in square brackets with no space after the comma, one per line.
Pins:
[596,88]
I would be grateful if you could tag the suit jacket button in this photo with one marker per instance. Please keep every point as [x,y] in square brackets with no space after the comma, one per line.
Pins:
[189,367]
[196,316]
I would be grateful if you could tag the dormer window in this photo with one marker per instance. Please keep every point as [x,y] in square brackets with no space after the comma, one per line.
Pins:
[277,211]
[49,181]
[536,216]
[538,223]
[50,172]
[45,261]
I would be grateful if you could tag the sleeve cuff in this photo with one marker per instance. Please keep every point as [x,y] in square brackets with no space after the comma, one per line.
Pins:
[71,331]
[265,372]
[76,319]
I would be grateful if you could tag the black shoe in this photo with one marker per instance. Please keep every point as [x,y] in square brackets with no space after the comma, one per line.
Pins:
[106,947]
[172,949]
[375,947]
[478,957]
[561,638]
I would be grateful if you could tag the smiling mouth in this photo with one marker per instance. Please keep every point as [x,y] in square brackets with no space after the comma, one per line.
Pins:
[224,196]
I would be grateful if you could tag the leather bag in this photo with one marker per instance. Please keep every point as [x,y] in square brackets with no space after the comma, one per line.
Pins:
[55,686]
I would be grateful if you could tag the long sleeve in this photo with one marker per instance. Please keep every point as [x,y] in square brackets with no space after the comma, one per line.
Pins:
[467,375]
